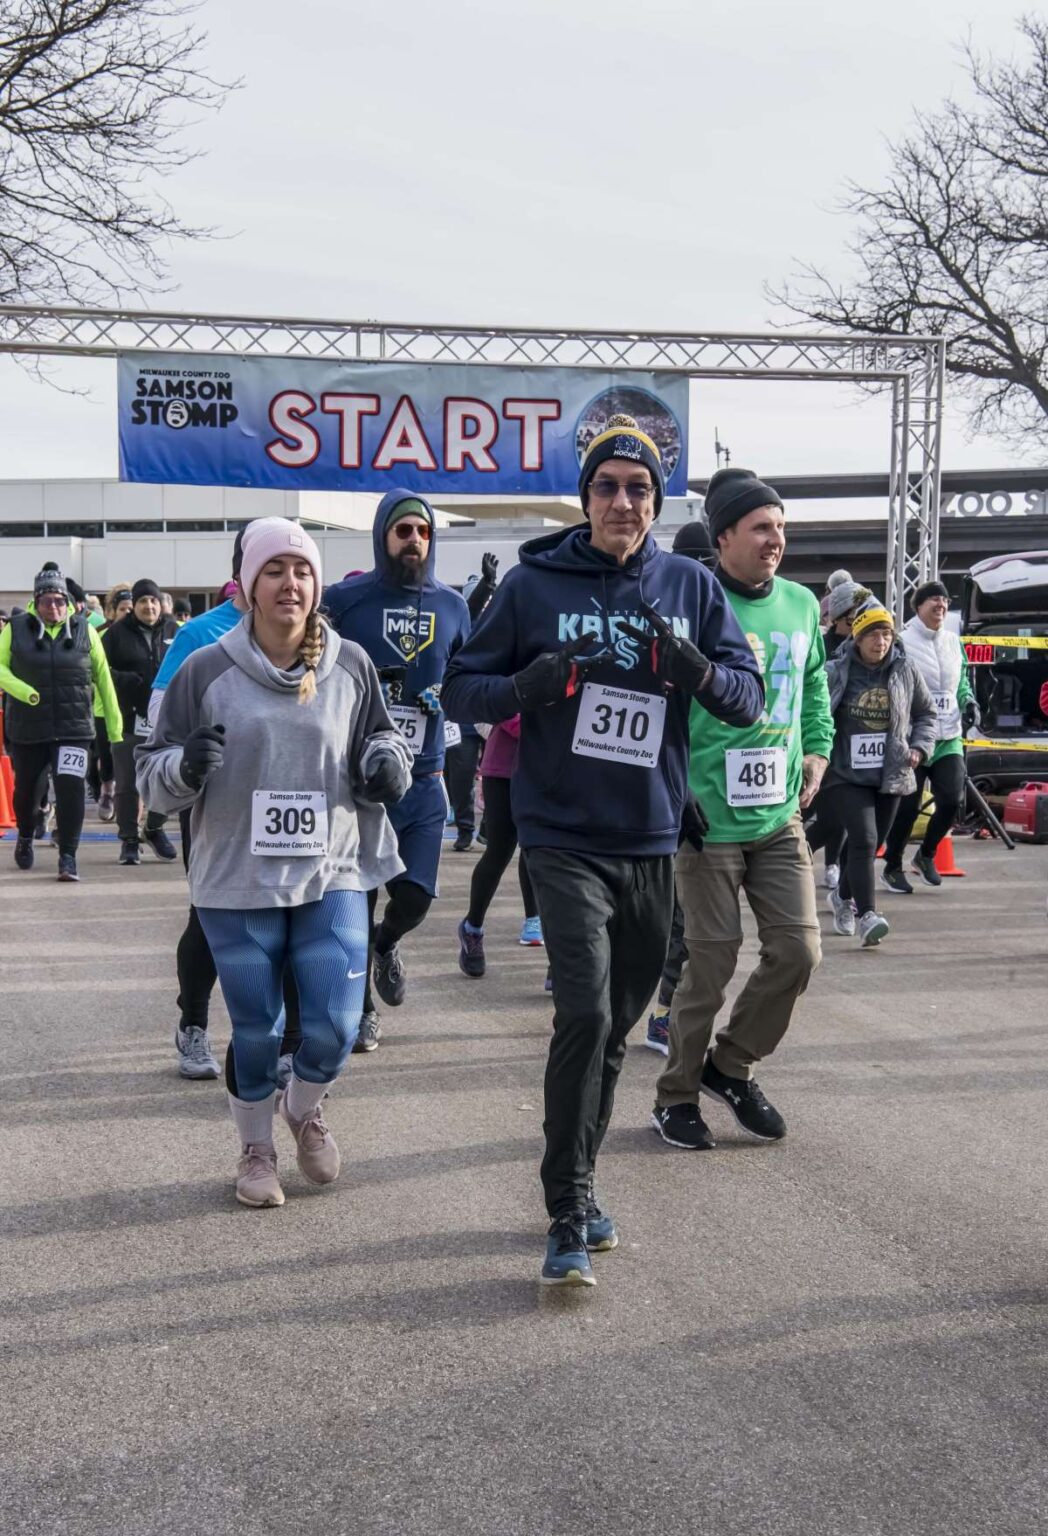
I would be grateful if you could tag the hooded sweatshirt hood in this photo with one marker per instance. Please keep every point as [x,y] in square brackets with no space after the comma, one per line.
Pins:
[389,509]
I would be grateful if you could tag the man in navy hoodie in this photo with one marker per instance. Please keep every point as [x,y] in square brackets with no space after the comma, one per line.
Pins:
[601,641]
[410,624]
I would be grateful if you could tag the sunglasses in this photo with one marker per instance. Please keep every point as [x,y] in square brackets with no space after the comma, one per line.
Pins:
[407,531]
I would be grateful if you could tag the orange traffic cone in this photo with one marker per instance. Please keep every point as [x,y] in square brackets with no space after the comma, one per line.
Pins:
[7,794]
[944,862]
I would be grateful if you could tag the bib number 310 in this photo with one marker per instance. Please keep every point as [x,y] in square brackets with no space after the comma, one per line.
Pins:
[288,824]
[620,725]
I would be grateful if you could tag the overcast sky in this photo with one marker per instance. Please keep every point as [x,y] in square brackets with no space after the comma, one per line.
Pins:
[550,162]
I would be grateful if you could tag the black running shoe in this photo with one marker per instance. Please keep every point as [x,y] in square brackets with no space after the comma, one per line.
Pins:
[683,1126]
[391,980]
[40,826]
[746,1102]
[601,1236]
[463,843]
[471,951]
[24,853]
[129,853]
[895,880]
[67,867]
[160,843]
[924,865]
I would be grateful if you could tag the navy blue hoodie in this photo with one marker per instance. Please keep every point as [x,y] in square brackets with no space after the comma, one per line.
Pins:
[403,626]
[565,590]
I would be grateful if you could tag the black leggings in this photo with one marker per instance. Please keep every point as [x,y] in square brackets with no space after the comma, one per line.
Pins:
[31,763]
[947,781]
[865,815]
[501,832]
[407,906]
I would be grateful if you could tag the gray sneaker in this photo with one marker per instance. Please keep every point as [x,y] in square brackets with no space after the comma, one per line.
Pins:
[368,1034]
[843,914]
[924,865]
[285,1064]
[194,1053]
[390,977]
[872,929]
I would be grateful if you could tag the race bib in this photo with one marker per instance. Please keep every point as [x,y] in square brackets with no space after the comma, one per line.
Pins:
[452,734]
[141,725]
[72,760]
[289,823]
[411,723]
[868,751]
[620,725]
[755,775]
[944,702]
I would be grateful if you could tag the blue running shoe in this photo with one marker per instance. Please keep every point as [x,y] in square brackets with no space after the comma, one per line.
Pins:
[658,1036]
[531,932]
[601,1236]
[567,1262]
[471,951]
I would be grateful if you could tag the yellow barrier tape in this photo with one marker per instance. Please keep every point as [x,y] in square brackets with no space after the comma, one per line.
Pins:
[1017,642]
[1007,746]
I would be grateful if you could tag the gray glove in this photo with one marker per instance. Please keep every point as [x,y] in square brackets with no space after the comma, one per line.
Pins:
[388,780]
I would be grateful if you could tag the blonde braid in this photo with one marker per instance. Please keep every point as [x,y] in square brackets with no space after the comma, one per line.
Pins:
[309,653]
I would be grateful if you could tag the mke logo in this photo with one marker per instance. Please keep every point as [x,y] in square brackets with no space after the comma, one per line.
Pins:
[400,626]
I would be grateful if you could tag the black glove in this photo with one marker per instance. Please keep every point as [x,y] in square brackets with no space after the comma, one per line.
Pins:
[693,824]
[388,780]
[674,660]
[969,715]
[489,568]
[392,680]
[555,675]
[202,753]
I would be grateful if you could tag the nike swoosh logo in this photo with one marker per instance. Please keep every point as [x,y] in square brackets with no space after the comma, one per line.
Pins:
[353,975]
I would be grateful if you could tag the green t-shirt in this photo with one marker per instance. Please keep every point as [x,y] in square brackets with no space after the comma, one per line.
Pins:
[748,781]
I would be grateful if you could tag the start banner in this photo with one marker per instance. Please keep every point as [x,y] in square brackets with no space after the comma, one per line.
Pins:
[315,425]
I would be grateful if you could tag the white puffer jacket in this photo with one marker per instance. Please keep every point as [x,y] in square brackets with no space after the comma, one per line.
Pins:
[937,653]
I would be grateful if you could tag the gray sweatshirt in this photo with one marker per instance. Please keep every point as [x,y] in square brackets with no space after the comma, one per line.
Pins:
[290,781]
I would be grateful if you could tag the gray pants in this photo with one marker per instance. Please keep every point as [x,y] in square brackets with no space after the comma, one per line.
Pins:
[776,874]
[125,798]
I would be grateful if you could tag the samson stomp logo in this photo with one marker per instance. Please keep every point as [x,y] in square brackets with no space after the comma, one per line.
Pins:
[183,397]
[408,631]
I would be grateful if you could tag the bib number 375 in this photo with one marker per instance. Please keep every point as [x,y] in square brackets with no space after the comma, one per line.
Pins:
[289,824]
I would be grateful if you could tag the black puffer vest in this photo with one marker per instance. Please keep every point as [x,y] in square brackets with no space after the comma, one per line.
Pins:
[59,670]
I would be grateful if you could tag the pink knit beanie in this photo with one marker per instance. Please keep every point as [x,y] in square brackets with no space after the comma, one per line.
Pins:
[267,539]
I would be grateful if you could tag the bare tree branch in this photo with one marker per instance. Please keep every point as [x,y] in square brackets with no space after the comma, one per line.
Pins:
[95,98]
[955,243]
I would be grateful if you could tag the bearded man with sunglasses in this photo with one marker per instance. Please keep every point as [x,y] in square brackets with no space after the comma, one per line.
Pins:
[410,624]
[601,642]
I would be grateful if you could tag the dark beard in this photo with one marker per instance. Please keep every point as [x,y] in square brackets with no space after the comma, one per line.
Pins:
[408,576]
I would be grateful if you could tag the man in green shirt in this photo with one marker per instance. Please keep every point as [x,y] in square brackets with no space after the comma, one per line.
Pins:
[752,785]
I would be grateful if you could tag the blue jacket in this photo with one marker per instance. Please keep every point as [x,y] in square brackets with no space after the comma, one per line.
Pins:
[403,626]
[564,590]
[205,629]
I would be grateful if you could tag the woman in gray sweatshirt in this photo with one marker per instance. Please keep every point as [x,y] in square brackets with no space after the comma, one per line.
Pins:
[278,739]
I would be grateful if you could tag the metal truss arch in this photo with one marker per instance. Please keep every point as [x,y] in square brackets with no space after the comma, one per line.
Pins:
[912,368]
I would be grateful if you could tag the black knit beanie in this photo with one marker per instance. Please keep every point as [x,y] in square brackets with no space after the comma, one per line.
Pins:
[732,493]
[929,589]
[145,588]
[693,539]
[623,439]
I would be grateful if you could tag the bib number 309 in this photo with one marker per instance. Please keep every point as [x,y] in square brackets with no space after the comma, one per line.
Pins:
[619,725]
[289,824]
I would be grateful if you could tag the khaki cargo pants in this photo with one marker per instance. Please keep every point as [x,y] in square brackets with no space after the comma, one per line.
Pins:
[776,875]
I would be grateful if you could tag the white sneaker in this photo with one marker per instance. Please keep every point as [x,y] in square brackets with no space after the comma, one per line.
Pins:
[843,914]
[832,878]
[194,1053]
[872,929]
[257,1182]
[317,1151]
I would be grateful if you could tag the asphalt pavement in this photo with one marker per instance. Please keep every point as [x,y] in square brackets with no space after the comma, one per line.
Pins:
[844,1333]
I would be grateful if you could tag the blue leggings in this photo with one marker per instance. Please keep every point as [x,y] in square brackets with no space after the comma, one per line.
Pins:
[326,945]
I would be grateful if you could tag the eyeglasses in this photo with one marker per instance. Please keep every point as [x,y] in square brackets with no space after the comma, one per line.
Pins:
[606,488]
[407,531]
